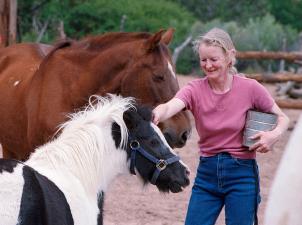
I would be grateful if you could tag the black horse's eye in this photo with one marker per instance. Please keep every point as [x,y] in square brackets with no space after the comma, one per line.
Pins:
[154,143]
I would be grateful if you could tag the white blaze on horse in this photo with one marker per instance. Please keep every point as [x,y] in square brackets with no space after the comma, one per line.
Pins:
[285,199]
[63,181]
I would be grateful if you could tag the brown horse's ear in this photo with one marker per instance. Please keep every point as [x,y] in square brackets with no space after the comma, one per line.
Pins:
[167,36]
[154,40]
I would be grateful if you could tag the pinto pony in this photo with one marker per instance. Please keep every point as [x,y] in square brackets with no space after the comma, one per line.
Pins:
[40,84]
[285,200]
[63,180]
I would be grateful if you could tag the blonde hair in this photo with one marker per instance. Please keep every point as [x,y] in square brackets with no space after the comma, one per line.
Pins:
[220,38]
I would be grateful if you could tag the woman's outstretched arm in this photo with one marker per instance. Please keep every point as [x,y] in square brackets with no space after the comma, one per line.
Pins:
[167,110]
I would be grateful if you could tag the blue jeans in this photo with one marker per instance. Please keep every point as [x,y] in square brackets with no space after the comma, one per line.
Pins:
[223,180]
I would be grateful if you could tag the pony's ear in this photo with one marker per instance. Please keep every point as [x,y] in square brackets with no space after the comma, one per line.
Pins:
[154,40]
[130,119]
[167,36]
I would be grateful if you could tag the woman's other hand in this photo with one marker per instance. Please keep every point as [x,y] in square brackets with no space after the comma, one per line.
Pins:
[266,140]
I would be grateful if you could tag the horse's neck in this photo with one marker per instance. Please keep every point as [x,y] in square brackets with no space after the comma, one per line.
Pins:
[106,70]
[80,157]
[77,77]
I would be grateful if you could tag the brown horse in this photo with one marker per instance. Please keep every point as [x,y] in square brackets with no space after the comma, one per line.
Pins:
[40,84]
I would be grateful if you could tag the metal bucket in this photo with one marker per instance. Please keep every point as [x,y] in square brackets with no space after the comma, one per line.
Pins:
[255,122]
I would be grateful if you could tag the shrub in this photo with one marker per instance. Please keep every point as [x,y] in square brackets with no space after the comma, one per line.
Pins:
[258,34]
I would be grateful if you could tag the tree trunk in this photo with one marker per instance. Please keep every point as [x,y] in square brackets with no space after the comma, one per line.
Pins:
[8,22]
[61,31]
[12,31]
[179,48]
[4,18]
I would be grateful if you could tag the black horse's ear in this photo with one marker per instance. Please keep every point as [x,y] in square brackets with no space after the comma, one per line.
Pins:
[154,40]
[129,117]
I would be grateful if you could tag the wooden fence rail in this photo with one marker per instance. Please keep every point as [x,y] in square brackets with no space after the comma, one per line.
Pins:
[288,56]
[289,103]
[293,57]
[273,78]
[276,77]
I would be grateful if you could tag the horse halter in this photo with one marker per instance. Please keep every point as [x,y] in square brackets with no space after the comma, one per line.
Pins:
[161,164]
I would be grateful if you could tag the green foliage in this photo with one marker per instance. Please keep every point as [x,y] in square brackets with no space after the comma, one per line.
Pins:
[247,21]
[101,16]
[34,14]
[186,61]
[82,18]
[227,10]
[288,12]
[258,34]
[264,34]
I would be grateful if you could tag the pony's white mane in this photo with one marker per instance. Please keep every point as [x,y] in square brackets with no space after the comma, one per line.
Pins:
[86,140]
[101,110]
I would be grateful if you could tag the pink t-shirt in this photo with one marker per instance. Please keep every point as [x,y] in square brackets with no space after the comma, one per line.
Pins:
[220,118]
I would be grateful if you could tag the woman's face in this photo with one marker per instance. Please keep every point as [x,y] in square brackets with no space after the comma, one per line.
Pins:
[213,61]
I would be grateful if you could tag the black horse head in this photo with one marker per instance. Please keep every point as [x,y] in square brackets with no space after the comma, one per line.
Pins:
[149,154]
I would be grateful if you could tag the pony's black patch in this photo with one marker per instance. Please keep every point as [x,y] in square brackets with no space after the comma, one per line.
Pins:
[42,201]
[101,207]
[132,118]
[145,112]
[116,134]
[7,165]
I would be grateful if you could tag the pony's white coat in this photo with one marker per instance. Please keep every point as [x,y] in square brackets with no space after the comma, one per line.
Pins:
[10,189]
[285,199]
[82,161]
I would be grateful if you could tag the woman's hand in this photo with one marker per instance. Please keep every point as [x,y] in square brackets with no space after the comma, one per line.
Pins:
[266,140]
[156,114]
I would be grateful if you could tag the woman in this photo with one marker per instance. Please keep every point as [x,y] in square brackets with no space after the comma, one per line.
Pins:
[227,174]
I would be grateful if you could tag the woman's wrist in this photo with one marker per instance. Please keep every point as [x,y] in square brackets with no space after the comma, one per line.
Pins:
[157,114]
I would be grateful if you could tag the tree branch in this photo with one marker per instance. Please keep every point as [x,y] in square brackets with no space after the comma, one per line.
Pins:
[179,48]
[41,33]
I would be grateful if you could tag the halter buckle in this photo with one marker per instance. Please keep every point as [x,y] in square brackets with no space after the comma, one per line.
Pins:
[134,145]
[161,165]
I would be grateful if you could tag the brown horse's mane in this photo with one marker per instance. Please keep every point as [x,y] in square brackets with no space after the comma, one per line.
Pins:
[110,39]
[98,42]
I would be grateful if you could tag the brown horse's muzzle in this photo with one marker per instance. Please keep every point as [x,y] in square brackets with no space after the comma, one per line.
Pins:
[177,129]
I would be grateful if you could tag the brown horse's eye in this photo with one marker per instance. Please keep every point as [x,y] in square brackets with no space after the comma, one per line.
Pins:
[158,78]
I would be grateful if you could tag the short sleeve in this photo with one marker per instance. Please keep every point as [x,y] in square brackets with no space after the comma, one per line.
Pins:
[262,99]
[185,94]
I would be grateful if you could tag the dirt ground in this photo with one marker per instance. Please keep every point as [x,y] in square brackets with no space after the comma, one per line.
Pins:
[128,203]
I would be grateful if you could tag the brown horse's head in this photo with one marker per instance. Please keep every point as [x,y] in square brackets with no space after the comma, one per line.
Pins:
[150,77]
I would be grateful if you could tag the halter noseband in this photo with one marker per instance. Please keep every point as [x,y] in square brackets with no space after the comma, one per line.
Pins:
[161,164]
